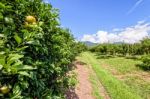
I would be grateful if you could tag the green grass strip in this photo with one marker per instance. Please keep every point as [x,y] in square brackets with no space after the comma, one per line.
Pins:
[115,88]
[95,82]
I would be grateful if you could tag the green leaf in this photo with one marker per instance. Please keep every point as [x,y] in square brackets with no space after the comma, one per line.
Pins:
[2,58]
[2,35]
[2,53]
[16,92]
[21,48]
[1,66]
[17,38]
[14,57]
[24,67]
[2,61]
[26,34]
[24,73]
[35,42]
[17,63]
[2,5]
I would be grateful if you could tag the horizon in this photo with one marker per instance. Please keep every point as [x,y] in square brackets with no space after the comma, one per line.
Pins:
[106,20]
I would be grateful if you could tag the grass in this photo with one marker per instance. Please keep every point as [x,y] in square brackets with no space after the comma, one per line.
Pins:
[137,84]
[115,88]
[121,64]
[124,67]
[96,91]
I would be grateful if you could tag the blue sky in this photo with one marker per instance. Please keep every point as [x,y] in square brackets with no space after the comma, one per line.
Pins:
[86,18]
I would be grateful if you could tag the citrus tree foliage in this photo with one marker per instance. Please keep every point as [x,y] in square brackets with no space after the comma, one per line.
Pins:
[143,47]
[35,52]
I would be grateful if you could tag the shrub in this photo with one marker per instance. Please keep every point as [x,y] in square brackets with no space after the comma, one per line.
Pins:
[146,62]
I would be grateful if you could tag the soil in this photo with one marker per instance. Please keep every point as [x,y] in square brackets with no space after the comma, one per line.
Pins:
[84,89]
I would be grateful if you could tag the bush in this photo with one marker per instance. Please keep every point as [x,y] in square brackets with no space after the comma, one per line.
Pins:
[35,52]
[146,62]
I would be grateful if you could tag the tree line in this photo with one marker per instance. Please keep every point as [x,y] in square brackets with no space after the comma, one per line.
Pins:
[143,47]
[132,51]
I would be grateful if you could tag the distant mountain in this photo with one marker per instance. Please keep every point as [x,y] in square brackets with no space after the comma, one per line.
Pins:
[88,43]
[118,42]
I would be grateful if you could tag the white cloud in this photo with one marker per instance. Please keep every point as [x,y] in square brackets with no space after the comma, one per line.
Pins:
[103,35]
[90,38]
[131,34]
[135,6]
[141,22]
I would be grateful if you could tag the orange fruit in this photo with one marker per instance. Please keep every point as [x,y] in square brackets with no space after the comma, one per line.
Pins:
[30,19]
[4,89]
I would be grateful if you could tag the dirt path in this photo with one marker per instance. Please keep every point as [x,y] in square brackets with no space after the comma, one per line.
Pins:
[84,88]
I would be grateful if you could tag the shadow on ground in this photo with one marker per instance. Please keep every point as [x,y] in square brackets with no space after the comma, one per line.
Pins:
[133,57]
[103,56]
[80,63]
[71,94]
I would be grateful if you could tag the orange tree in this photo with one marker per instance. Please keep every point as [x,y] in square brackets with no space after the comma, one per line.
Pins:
[35,52]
